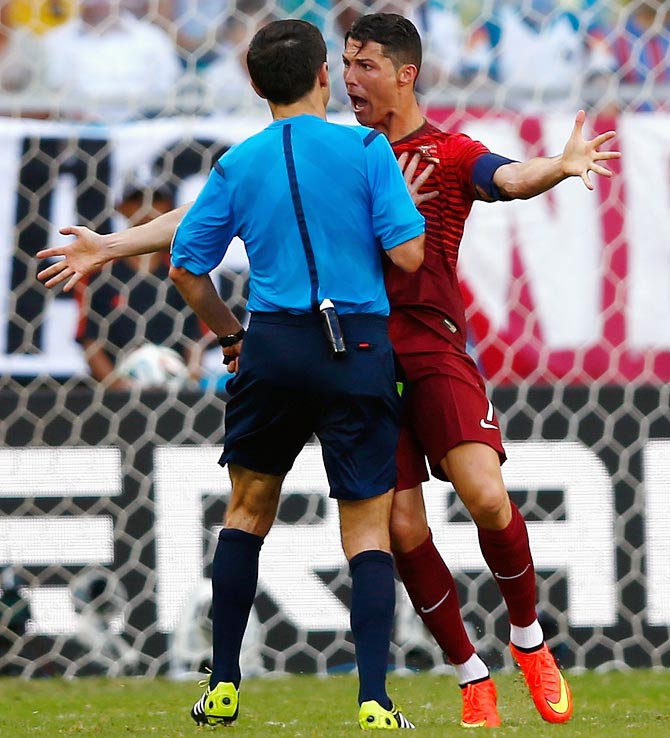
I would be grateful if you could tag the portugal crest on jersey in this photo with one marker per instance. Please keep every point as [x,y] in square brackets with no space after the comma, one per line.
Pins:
[428,152]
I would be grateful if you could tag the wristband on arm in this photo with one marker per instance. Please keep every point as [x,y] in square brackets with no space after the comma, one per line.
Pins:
[231,339]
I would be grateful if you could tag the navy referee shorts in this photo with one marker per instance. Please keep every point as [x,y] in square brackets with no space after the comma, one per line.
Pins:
[288,388]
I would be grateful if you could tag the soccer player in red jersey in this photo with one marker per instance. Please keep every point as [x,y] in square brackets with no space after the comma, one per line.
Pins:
[450,420]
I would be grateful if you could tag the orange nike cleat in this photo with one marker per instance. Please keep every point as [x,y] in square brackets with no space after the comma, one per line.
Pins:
[548,688]
[479,705]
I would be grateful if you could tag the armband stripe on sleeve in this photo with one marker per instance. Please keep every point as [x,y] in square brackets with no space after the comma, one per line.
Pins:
[484,169]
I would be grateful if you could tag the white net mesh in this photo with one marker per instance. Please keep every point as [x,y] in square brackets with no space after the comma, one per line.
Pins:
[110,495]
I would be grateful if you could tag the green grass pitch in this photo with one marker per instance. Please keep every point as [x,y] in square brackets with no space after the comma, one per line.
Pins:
[613,705]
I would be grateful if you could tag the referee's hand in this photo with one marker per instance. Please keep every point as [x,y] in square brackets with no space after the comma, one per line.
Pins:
[231,357]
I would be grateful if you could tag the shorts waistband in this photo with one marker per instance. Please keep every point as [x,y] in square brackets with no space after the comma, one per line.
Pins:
[298,319]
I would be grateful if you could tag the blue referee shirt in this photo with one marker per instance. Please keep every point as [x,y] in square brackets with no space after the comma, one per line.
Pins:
[337,187]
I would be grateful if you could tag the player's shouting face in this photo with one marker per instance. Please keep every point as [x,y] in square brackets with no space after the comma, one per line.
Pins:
[373,82]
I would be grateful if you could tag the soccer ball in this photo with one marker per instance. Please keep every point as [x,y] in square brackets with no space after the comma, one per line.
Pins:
[154,366]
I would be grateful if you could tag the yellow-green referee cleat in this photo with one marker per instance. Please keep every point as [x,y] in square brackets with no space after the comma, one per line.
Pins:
[219,706]
[372,716]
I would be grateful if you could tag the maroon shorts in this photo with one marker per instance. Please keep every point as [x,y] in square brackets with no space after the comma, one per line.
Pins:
[446,404]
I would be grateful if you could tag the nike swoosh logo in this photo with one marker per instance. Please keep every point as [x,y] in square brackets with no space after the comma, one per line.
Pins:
[426,610]
[563,704]
[489,417]
[513,576]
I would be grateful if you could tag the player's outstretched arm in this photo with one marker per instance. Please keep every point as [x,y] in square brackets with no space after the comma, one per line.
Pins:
[580,157]
[89,251]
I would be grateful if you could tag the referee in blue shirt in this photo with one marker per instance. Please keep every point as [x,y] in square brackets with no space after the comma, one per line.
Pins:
[319,207]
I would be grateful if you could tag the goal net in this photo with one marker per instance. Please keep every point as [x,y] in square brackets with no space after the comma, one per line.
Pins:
[110,493]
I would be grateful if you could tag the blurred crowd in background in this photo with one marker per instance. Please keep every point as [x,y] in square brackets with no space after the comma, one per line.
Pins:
[114,60]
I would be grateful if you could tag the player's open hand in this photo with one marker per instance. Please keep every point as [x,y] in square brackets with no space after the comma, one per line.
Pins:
[414,184]
[581,156]
[82,256]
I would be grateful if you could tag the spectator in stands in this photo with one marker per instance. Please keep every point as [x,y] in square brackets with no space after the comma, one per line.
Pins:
[537,51]
[439,24]
[20,55]
[640,49]
[195,25]
[134,302]
[227,78]
[39,16]
[109,64]
[313,11]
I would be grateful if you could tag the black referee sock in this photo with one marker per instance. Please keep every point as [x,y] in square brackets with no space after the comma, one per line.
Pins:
[234,580]
[372,609]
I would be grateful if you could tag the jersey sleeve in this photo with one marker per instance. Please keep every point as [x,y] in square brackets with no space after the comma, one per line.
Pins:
[464,154]
[395,217]
[203,236]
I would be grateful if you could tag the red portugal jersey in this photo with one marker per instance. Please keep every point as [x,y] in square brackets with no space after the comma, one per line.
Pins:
[428,304]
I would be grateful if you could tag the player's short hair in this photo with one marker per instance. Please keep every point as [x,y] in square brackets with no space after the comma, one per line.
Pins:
[146,186]
[139,192]
[284,59]
[396,34]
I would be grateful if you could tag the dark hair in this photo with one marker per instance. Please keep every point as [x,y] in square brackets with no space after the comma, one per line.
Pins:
[284,59]
[146,186]
[396,34]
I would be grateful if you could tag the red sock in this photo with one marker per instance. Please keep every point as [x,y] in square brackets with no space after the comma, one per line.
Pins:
[507,553]
[427,580]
